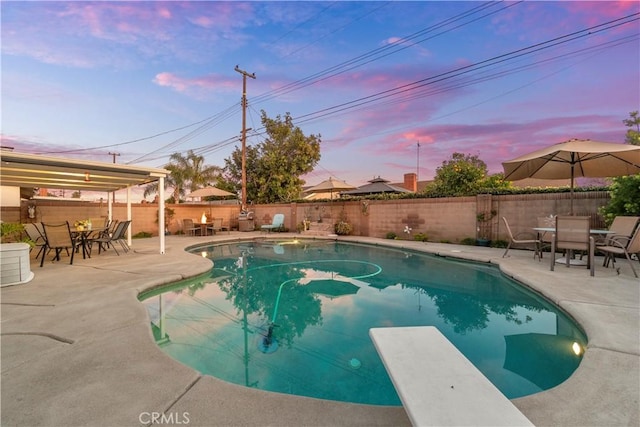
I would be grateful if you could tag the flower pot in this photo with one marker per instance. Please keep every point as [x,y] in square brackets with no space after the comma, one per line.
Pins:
[483,242]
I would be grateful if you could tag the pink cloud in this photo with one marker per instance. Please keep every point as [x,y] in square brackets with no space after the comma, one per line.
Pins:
[494,142]
[194,86]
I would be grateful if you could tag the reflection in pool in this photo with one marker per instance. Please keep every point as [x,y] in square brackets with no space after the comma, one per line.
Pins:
[294,317]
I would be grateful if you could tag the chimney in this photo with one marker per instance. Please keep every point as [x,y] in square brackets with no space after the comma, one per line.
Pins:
[411,182]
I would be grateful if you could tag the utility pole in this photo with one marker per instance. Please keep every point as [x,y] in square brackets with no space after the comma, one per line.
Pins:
[244,133]
[113,193]
[418,164]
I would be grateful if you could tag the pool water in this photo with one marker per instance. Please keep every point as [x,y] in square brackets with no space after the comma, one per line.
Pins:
[294,317]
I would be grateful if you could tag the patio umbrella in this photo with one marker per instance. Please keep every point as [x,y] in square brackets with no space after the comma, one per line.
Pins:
[575,158]
[330,185]
[210,192]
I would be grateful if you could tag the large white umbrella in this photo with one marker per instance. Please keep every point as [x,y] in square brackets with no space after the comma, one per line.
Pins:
[330,185]
[210,192]
[575,158]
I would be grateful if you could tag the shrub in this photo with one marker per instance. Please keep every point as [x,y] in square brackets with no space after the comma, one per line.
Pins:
[391,235]
[421,237]
[342,228]
[141,235]
[625,198]
[499,243]
[11,232]
[469,241]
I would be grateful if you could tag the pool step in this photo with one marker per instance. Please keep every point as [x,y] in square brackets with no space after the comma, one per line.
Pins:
[437,384]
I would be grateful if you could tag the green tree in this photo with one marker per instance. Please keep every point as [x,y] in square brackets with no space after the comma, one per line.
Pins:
[625,198]
[495,181]
[187,173]
[462,175]
[274,166]
[633,135]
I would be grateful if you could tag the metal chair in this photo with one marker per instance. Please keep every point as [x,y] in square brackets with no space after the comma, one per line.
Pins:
[622,226]
[215,226]
[58,237]
[622,246]
[513,240]
[118,236]
[189,228]
[34,233]
[573,234]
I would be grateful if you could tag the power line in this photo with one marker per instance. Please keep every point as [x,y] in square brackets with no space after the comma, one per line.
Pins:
[467,69]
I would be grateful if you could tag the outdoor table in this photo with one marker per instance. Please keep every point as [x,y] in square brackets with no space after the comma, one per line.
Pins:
[203,227]
[83,236]
[593,231]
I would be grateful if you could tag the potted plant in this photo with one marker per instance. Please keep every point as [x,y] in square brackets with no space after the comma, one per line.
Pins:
[168,217]
[343,227]
[484,227]
[14,251]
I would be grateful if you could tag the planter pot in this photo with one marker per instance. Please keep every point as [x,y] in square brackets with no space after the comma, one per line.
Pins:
[483,242]
[15,264]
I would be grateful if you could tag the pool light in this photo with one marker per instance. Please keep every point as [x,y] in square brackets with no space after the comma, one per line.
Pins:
[577,349]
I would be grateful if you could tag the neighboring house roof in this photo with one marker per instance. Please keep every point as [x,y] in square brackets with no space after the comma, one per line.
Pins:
[376,186]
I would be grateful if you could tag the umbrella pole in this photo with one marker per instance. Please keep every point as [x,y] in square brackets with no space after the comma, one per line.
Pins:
[572,176]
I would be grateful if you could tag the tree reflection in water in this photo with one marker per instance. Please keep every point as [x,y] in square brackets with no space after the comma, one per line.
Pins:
[315,302]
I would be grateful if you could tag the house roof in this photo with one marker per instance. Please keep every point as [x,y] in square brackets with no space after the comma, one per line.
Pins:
[32,170]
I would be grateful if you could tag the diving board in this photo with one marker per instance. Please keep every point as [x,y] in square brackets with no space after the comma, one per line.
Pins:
[437,384]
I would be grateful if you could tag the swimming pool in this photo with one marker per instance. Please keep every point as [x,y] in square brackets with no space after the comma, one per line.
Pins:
[294,317]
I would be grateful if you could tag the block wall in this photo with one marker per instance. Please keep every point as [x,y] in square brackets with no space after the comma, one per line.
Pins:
[445,219]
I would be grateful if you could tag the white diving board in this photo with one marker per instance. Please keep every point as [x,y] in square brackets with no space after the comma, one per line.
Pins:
[437,384]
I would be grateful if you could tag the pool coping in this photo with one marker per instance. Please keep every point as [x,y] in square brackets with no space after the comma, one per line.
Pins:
[77,349]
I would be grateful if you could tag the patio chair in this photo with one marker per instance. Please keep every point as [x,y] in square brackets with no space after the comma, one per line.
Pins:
[189,228]
[513,240]
[34,233]
[622,246]
[99,222]
[216,225]
[276,224]
[622,226]
[573,234]
[118,236]
[58,237]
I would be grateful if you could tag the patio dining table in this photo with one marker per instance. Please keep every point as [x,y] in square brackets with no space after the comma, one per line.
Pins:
[84,237]
[203,227]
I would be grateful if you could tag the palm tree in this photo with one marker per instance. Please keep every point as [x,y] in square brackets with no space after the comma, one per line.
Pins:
[186,172]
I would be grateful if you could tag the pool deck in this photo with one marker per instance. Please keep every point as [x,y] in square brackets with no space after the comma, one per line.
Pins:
[77,349]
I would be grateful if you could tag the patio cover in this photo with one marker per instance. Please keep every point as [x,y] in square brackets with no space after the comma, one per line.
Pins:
[32,170]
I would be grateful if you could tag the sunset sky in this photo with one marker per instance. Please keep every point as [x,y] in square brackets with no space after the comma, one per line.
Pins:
[148,79]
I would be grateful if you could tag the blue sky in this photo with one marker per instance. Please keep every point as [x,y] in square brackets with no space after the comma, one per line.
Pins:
[83,79]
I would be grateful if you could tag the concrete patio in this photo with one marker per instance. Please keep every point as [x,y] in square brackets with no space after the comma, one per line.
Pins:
[77,349]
